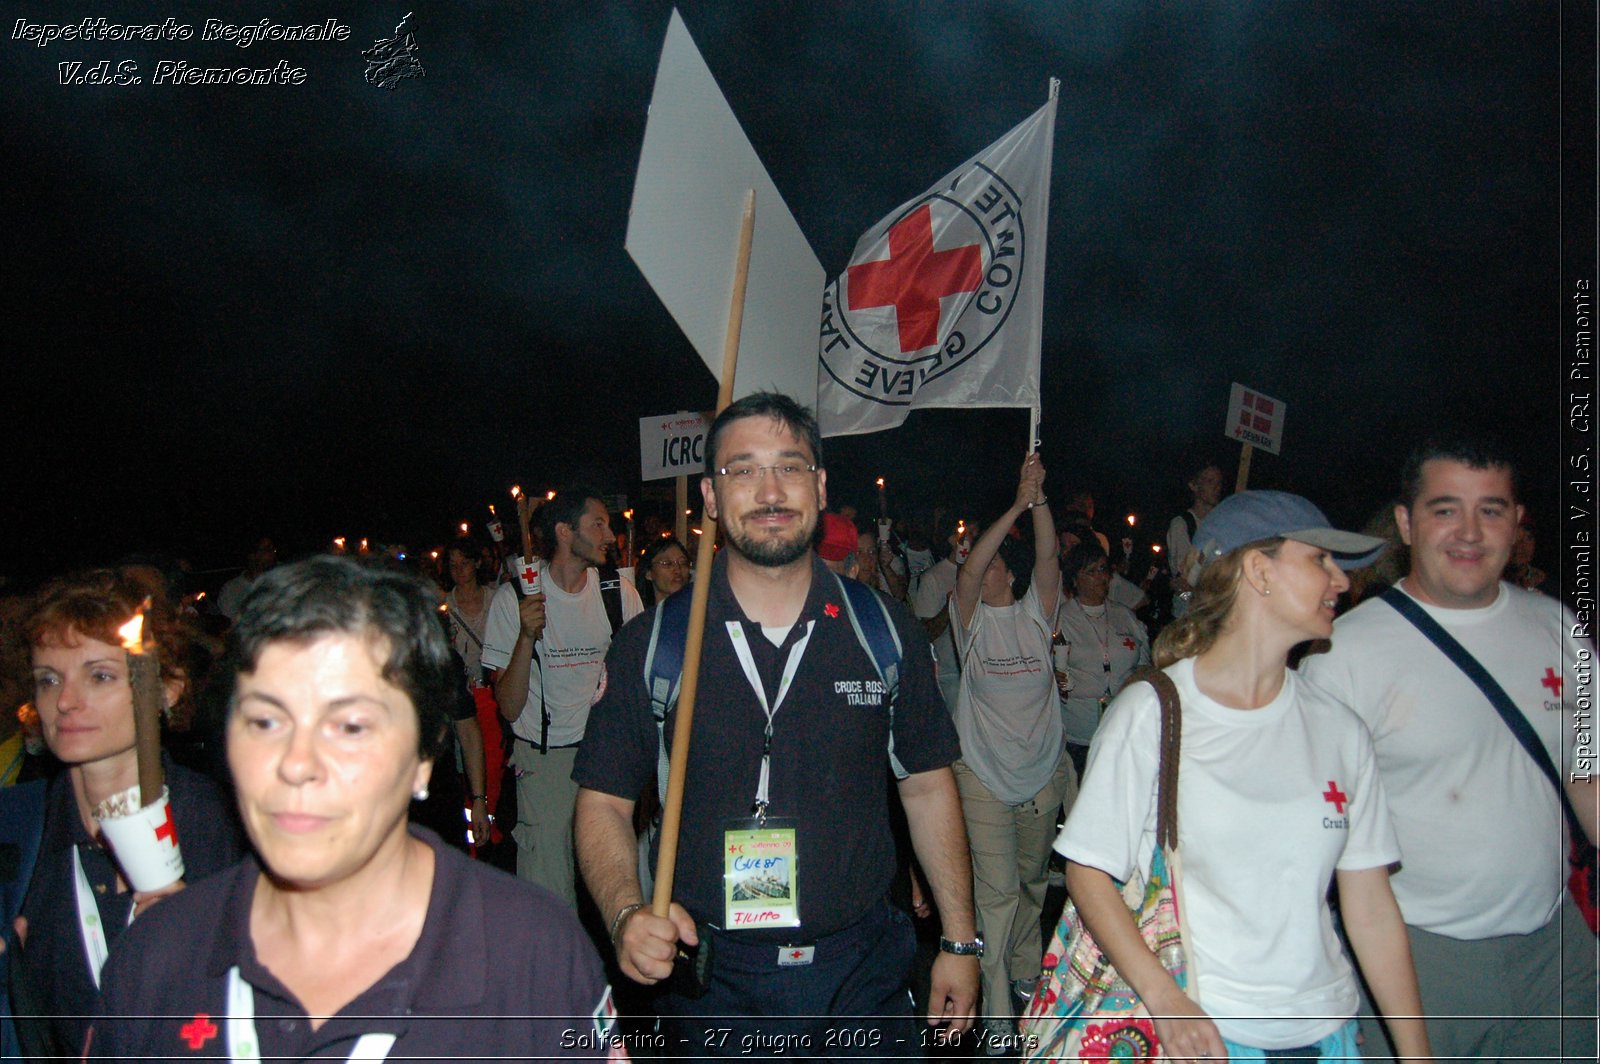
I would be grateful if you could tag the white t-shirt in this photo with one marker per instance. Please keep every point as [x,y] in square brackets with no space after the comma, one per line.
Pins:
[1270,802]
[931,599]
[1097,636]
[1481,828]
[466,631]
[572,652]
[1007,710]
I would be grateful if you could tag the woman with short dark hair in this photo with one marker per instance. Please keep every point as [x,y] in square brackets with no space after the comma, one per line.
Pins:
[350,934]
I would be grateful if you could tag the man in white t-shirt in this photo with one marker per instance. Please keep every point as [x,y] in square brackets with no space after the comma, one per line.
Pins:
[1496,940]
[548,651]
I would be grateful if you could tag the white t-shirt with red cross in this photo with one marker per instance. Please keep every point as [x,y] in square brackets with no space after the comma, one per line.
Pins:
[1480,826]
[572,652]
[1270,802]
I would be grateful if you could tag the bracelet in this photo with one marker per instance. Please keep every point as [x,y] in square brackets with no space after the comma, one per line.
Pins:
[622,914]
[478,797]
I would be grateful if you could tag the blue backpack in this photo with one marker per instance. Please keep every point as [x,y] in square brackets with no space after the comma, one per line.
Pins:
[663,661]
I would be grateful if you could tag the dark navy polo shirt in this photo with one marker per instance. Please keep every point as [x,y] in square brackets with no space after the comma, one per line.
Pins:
[502,969]
[54,958]
[830,763]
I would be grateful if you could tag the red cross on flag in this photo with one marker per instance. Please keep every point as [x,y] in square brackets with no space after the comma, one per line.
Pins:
[943,300]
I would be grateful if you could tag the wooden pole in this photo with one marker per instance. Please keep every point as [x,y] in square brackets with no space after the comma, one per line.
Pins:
[1244,468]
[680,523]
[672,809]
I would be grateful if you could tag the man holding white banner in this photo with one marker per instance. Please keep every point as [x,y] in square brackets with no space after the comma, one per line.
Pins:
[943,300]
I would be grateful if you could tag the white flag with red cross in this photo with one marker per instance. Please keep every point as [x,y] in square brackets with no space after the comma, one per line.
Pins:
[943,301]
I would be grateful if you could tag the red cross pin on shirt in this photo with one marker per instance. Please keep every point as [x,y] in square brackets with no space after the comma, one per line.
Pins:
[199,1031]
[832,610]
[1553,681]
[796,954]
[1334,795]
[167,830]
[914,278]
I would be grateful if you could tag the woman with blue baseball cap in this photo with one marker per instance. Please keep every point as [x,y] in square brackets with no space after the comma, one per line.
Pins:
[1278,793]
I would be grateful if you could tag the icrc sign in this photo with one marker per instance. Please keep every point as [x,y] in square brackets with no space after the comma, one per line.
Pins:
[672,445]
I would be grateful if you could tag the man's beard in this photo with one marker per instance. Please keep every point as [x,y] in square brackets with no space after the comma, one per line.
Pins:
[771,553]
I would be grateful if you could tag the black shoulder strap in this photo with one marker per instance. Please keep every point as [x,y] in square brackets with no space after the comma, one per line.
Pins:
[1463,659]
[611,593]
[1190,523]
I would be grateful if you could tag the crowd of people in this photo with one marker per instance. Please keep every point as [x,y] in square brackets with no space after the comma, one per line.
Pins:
[419,801]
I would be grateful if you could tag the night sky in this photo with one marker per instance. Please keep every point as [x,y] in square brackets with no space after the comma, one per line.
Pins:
[330,309]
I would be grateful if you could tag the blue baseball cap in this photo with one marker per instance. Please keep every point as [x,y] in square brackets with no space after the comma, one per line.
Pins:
[1255,515]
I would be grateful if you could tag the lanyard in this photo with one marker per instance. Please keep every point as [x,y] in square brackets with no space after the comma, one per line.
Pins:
[89,926]
[245,1048]
[791,665]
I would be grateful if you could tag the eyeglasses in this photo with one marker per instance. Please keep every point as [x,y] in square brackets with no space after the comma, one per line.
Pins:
[752,474]
[1092,570]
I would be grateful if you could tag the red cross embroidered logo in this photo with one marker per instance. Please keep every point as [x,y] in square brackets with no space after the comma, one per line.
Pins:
[167,829]
[1552,681]
[1334,795]
[1128,642]
[914,278]
[199,1031]
[831,610]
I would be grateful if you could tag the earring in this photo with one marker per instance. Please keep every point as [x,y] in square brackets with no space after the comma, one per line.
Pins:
[420,794]
[1266,591]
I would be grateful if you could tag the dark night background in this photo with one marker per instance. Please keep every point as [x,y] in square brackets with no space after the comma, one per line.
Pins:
[330,309]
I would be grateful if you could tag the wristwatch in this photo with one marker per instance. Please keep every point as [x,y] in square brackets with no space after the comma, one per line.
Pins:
[962,949]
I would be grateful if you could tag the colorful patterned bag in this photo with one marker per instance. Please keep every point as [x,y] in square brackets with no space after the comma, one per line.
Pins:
[1082,1010]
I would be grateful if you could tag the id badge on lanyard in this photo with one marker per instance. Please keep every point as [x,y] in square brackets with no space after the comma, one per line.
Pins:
[760,854]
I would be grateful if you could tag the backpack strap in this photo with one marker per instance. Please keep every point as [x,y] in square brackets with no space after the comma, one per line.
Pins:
[611,594]
[669,632]
[663,672]
[874,629]
[1191,524]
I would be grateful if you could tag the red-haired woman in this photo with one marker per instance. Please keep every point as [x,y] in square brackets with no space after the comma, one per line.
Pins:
[79,902]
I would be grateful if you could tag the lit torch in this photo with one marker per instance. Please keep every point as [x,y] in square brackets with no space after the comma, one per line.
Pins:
[144,676]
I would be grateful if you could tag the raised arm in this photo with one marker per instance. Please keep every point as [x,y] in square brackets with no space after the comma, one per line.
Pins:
[969,579]
[1046,562]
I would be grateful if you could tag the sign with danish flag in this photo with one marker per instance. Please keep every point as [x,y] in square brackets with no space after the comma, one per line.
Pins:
[1255,419]
[943,301]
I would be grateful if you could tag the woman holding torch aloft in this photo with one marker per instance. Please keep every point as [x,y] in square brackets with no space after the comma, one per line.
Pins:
[80,901]
[1013,774]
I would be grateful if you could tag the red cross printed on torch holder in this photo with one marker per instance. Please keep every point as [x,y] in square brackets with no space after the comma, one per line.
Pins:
[914,278]
[1552,681]
[1334,795]
[199,1031]
[167,829]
